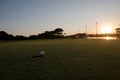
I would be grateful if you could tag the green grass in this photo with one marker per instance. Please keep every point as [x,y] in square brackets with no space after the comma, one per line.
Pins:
[65,59]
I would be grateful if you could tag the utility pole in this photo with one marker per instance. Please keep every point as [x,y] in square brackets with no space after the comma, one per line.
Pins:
[86,29]
[96,28]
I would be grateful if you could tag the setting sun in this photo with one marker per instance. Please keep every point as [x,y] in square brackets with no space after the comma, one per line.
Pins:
[106,29]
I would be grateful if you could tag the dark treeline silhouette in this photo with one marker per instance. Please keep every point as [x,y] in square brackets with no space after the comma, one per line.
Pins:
[5,36]
[55,34]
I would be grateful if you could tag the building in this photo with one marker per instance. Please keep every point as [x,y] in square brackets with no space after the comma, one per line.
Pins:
[117,30]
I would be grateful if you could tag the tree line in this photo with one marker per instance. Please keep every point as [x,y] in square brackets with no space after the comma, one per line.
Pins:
[55,34]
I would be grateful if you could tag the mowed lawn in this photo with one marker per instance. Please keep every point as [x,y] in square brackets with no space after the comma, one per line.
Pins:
[67,59]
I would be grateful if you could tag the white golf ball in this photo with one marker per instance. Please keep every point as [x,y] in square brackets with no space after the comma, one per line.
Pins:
[42,53]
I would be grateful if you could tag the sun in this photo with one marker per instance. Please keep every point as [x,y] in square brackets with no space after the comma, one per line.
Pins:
[106,29]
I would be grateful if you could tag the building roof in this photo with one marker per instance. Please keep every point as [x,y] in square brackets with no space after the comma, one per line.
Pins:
[117,29]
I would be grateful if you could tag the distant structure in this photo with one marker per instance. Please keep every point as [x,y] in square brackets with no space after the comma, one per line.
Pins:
[77,36]
[118,29]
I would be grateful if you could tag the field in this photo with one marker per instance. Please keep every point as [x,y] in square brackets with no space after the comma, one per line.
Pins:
[67,59]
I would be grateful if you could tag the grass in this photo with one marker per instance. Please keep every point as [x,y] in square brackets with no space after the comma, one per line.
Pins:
[67,59]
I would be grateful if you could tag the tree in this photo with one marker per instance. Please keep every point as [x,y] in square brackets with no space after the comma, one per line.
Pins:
[47,35]
[58,31]
[5,36]
[33,37]
[20,37]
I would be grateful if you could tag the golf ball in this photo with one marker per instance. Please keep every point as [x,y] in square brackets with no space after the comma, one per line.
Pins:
[42,53]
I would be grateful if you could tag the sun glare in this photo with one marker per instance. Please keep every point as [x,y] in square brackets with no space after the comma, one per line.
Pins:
[106,29]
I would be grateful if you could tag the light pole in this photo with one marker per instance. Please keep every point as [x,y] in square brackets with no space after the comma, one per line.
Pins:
[86,29]
[96,28]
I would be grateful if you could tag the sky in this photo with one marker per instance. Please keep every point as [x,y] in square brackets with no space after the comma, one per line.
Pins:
[28,17]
